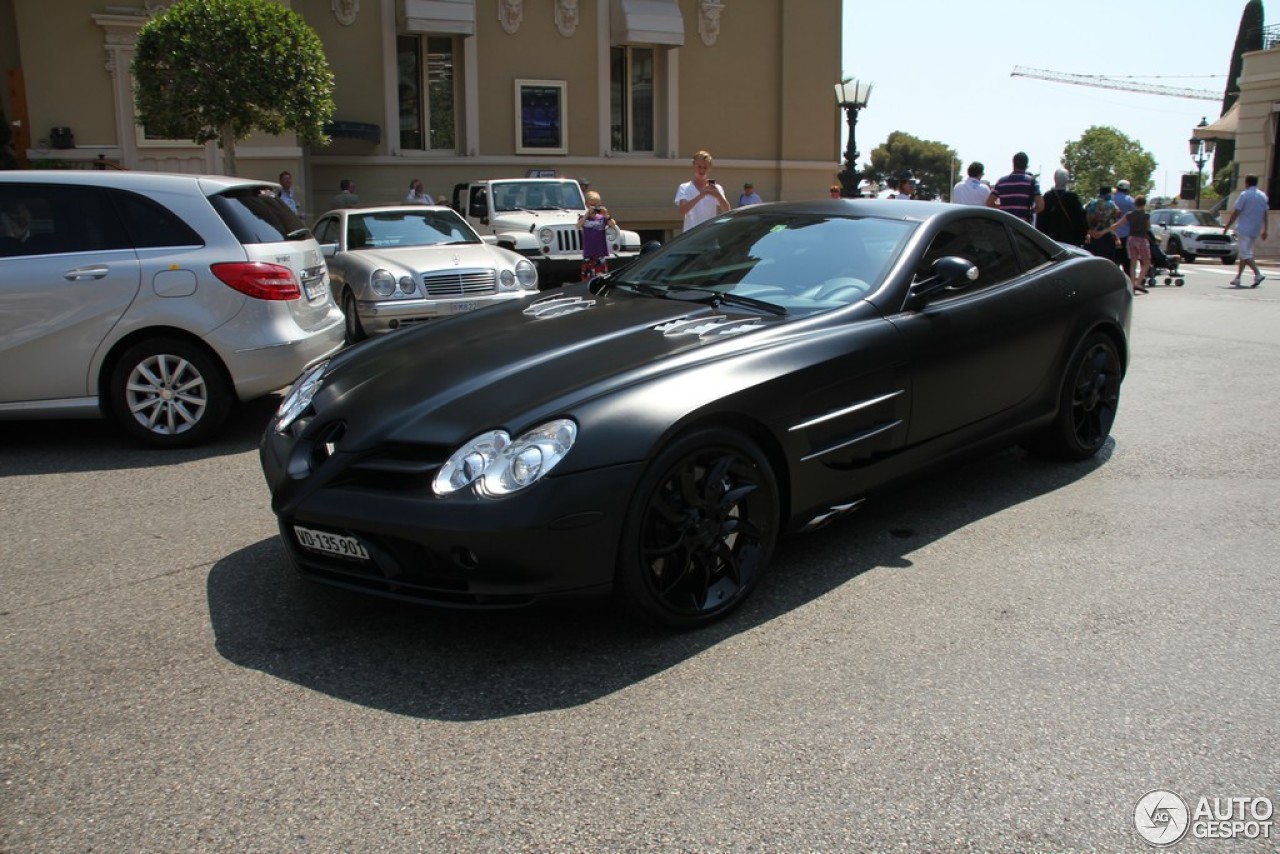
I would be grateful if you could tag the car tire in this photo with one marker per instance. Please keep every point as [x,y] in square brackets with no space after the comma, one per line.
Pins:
[700,530]
[1087,403]
[169,393]
[1229,260]
[355,329]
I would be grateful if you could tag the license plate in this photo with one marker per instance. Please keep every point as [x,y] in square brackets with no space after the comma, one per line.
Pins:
[315,290]
[459,307]
[333,544]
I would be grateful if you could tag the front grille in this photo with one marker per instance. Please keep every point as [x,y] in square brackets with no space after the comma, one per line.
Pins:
[1214,238]
[459,283]
[568,240]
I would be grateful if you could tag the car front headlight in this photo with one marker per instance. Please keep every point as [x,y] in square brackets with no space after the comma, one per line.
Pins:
[300,396]
[407,284]
[546,235]
[495,465]
[1188,233]
[527,275]
[613,235]
[382,283]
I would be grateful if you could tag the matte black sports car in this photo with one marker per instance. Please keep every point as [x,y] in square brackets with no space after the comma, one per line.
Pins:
[656,431]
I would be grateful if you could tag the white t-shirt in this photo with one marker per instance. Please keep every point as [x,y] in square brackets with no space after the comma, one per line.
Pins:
[970,191]
[706,208]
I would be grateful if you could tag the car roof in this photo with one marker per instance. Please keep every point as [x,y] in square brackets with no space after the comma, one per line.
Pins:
[909,210]
[139,181]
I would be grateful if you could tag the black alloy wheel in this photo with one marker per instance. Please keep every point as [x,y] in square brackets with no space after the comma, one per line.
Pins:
[701,529]
[1088,404]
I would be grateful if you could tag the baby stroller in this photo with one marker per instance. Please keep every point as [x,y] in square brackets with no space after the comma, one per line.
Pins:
[1162,265]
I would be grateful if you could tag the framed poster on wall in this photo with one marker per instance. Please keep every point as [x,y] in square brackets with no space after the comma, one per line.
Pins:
[541,116]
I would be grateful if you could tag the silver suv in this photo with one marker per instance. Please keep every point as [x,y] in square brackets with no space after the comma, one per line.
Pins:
[157,299]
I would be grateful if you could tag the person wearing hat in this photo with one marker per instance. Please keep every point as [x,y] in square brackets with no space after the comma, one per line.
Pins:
[749,196]
[1125,203]
[906,186]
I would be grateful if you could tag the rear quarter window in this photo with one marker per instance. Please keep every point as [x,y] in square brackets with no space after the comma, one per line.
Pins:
[255,215]
[150,224]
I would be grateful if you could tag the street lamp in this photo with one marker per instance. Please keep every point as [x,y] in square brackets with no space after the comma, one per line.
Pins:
[1201,151]
[851,96]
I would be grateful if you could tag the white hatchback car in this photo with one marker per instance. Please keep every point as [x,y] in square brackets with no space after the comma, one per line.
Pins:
[1193,234]
[157,299]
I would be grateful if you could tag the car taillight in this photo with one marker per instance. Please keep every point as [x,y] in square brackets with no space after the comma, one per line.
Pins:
[259,279]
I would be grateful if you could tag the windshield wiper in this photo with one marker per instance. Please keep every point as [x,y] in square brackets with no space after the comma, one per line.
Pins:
[718,298]
[639,287]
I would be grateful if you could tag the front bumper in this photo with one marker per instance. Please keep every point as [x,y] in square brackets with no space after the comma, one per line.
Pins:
[1210,245]
[377,316]
[557,539]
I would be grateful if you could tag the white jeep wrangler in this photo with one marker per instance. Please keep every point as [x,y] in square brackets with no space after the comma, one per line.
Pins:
[538,217]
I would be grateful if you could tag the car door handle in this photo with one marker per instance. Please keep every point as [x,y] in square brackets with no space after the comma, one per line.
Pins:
[85,273]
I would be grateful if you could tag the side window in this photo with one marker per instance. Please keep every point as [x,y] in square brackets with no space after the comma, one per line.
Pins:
[985,242]
[479,202]
[150,224]
[327,230]
[1030,253]
[46,219]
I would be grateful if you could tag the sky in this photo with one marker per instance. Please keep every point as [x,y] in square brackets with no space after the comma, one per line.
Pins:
[941,71]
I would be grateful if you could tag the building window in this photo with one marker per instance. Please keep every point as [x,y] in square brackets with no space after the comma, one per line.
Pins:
[631,98]
[426,85]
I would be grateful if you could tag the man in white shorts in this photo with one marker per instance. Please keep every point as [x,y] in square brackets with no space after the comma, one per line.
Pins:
[1251,209]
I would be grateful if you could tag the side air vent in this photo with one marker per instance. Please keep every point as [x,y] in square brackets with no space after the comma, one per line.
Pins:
[558,306]
[709,327]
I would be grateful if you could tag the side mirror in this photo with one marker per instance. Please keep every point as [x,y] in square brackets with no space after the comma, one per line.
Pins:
[949,273]
[650,246]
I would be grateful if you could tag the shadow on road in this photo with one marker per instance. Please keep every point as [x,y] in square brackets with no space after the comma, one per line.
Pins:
[98,445]
[476,665]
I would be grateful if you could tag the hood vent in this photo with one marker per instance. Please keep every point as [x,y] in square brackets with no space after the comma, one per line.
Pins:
[558,306]
[709,327]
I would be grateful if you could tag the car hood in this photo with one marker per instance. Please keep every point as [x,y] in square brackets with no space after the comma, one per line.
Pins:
[504,365]
[530,220]
[1197,229]
[467,255]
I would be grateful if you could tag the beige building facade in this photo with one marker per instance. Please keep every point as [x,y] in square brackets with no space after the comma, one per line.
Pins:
[1254,123]
[616,93]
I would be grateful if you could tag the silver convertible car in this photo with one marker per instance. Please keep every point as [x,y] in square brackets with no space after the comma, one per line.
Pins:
[403,264]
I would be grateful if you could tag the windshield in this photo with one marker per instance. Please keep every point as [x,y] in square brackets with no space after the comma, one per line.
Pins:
[1196,218]
[436,227]
[800,262]
[537,196]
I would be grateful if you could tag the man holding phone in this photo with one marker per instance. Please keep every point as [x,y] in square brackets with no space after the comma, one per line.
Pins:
[701,199]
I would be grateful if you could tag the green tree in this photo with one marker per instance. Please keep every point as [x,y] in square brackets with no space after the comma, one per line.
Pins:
[1248,38]
[221,69]
[934,164]
[1104,155]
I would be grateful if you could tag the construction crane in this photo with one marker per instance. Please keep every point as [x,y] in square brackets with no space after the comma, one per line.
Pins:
[1100,82]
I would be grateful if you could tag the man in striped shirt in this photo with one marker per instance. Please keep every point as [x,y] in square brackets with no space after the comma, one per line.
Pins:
[1018,192]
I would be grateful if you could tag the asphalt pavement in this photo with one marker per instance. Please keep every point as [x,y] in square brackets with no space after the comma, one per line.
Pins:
[1005,657]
